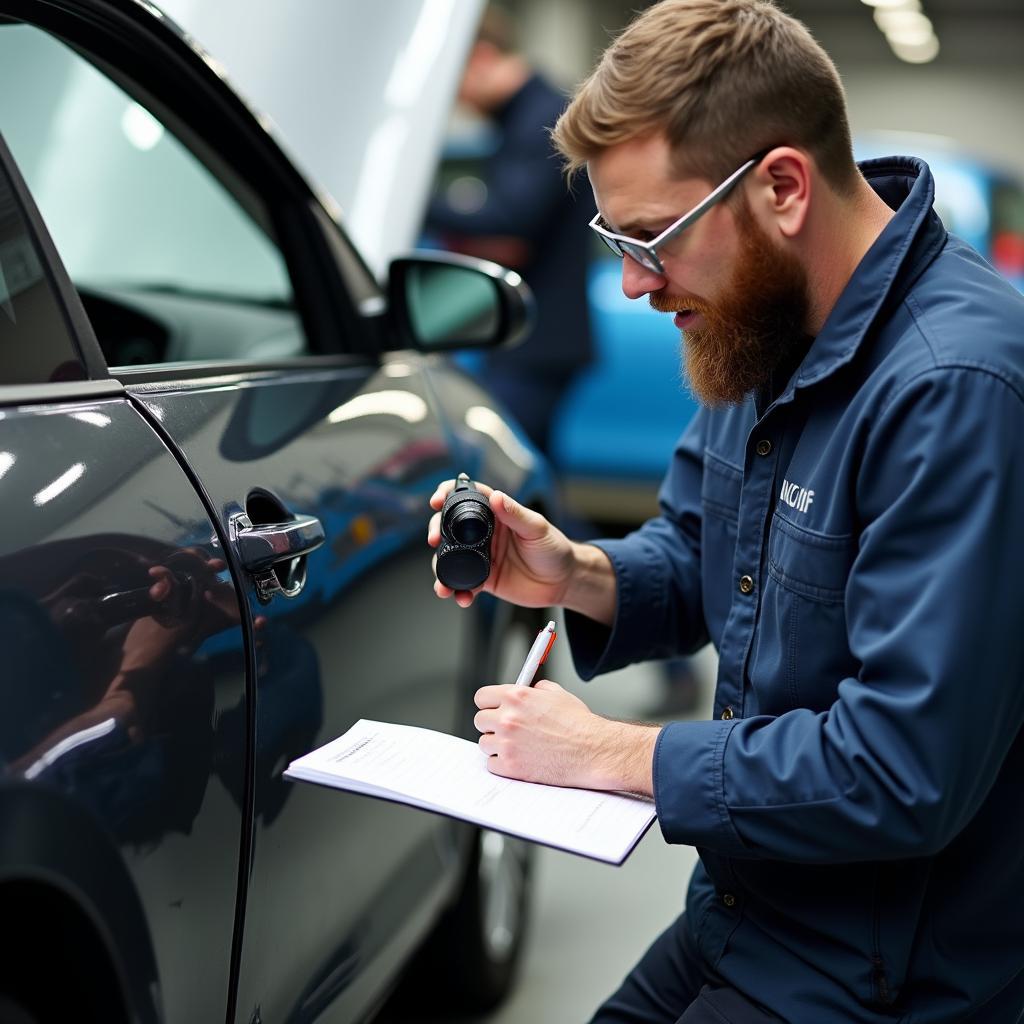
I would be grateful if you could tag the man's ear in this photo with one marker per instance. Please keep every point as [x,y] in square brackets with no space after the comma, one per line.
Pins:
[782,189]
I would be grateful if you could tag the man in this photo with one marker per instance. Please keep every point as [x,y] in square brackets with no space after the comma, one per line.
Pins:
[842,520]
[524,219]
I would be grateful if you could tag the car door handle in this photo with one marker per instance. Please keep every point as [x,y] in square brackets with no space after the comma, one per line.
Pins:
[261,547]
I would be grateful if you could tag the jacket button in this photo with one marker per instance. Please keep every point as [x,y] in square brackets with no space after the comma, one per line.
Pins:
[727,714]
[728,899]
[764,447]
[746,584]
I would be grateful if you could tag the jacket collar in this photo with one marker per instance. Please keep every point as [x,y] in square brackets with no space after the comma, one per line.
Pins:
[907,244]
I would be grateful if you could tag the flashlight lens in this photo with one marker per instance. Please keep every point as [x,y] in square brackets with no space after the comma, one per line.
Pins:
[468,524]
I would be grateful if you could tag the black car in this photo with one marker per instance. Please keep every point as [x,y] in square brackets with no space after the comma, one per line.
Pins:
[218,435]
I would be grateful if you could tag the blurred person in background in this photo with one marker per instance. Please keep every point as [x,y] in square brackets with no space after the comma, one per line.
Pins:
[842,519]
[523,218]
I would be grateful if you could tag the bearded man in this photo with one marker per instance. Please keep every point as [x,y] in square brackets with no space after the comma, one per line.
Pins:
[842,520]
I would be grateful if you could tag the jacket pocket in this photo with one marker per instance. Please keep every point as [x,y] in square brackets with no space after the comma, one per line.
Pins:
[801,648]
[898,898]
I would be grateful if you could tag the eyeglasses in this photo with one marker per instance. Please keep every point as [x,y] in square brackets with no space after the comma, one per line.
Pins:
[646,253]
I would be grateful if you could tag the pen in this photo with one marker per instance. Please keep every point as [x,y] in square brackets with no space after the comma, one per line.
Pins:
[538,652]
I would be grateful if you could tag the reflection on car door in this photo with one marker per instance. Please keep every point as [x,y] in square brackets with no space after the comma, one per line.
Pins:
[335,879]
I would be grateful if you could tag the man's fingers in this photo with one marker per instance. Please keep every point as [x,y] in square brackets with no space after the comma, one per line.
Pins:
[163,583]
[485,721]
[522,521]
[434,530]
[547,684]
[492,696]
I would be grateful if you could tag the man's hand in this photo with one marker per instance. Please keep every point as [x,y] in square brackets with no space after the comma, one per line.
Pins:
[531,560]
[545,734]
[533,564]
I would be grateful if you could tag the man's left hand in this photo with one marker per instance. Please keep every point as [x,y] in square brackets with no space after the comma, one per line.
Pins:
[545,734]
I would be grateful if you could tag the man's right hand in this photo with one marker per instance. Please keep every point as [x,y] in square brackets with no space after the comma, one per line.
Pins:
[531,561]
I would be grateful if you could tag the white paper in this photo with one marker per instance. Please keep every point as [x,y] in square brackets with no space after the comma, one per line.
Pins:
[446,774]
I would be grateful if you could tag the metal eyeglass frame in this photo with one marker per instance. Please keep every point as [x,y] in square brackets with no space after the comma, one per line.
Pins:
[645,252]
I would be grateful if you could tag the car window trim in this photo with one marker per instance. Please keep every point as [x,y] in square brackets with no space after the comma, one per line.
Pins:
[231,371]
[66,297]
[59,392]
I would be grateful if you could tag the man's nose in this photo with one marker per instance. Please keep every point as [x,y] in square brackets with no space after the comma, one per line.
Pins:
[638,281]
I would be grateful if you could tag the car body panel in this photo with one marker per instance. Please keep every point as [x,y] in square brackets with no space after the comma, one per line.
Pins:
[361,449]
[119,706]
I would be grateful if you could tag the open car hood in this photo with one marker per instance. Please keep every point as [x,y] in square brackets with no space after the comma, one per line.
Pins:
[358,95]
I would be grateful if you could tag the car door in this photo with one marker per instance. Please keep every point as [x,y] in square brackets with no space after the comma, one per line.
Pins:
[211,278]
[122,707]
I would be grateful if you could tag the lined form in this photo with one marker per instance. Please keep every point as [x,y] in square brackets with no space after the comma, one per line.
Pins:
[449,775]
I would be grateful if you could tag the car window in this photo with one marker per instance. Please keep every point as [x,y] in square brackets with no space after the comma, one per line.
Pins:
[169,264]
[35,345]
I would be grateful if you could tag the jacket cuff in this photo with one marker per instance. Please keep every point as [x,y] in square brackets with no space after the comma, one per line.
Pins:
[689,786]
[639,610]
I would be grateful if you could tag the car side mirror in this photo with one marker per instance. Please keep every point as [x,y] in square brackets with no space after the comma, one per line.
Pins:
[441,301]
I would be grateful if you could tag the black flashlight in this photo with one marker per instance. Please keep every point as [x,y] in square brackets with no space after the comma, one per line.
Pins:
[467,524]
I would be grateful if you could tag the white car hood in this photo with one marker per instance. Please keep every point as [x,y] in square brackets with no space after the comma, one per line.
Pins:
[359,95]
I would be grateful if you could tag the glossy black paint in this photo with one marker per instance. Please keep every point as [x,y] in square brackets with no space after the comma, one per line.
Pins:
[130,710]
[361,451]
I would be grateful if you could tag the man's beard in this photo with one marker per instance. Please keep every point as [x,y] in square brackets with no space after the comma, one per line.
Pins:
[756,327]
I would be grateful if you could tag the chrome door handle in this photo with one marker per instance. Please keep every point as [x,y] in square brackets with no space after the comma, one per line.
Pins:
[262,547]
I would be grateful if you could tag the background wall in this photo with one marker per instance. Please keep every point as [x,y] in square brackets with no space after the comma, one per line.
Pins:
[970,93]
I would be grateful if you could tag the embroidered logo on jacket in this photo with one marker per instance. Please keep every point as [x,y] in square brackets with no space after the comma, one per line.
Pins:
[797,497]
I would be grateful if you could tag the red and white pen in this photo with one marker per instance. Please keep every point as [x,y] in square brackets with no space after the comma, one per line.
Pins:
[538,653]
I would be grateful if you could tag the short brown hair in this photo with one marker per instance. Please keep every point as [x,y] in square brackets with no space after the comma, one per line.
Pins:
[723,80]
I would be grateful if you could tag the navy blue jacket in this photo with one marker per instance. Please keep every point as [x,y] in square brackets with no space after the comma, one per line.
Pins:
[854,549]
[527,199]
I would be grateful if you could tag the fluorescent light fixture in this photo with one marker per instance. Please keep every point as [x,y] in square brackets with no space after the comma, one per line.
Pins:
[906,23]
[916,53]
[906,29]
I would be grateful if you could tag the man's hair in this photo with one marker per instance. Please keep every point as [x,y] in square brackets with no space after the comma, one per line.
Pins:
[497,28]
[723,80]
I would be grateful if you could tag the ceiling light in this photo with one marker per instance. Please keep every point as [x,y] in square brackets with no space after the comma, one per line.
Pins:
[916,53]
[902,21]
